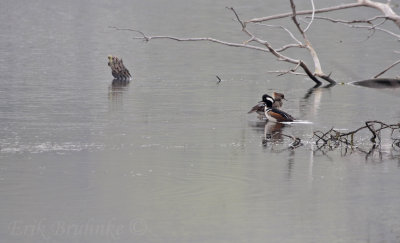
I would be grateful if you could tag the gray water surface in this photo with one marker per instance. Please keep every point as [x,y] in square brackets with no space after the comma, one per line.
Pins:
[172,156]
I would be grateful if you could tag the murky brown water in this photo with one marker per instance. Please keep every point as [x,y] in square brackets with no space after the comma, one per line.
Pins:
[173,157]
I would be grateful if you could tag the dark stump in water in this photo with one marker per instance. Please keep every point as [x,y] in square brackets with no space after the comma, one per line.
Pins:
[118,69]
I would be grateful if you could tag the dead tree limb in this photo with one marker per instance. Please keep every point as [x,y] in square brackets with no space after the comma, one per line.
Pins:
[383,7]
[371,26]
[304,12]
[256,43]
[281,57]
[317,65]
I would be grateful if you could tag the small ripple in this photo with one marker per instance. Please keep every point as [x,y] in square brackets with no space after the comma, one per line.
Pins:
[49,147]
[194,185]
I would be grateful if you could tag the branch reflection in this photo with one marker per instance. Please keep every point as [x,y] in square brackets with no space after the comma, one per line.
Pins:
[309,106]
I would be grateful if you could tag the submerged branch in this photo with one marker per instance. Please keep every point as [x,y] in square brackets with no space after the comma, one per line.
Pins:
[386,69]
[347,138]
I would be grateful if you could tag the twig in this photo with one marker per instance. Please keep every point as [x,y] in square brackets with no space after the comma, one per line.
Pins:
[285,29]
[282,72]
[219,79]
[292,71]
[349,24]
[207,39]
[369,21]
[128,29]
[312,16]
[285,47]
[385,70]
[376,28]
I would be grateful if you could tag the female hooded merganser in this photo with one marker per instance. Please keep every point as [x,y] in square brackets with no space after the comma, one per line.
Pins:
[274,114]
[278,97]
[260,107]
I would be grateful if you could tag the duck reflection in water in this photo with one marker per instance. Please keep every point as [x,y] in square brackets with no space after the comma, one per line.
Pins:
[273,133]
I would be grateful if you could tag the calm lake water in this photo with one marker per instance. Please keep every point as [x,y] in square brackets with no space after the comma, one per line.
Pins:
[174,157]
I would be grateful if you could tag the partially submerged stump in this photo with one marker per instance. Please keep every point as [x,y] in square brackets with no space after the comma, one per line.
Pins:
[118,69]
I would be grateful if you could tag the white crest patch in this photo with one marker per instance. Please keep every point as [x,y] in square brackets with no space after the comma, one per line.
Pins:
[270,99]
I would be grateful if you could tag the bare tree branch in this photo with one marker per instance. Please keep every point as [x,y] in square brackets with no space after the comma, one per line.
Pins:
[369,21]
[273,51]
[305,12]
[282,72]
[312,16]
[285,29]
[317,65]
[292,71]
[127,29]
[383,7]
[148,38]
[263,45]
[384,71]
[285,47]
[377,28]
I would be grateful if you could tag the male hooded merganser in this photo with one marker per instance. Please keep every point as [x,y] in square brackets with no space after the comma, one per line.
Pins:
[260,107]
[274,114]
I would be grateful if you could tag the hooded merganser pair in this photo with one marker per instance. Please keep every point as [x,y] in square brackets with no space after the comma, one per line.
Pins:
[260,107]
[269,108]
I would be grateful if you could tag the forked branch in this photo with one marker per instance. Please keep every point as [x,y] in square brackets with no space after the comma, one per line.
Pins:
[382,7]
